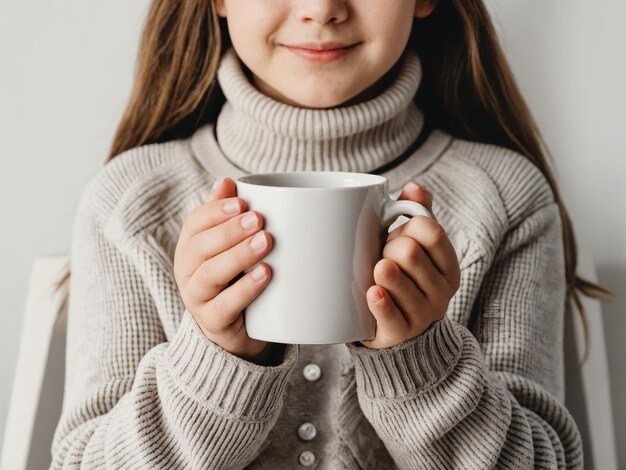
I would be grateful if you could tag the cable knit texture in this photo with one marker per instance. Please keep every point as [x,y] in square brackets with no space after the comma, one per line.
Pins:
[481,388]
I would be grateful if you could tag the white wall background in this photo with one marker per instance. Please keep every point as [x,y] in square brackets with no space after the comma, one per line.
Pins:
[65,73]
[569,57]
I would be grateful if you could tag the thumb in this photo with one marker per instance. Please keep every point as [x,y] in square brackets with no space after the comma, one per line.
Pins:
[412,191]
[222,188]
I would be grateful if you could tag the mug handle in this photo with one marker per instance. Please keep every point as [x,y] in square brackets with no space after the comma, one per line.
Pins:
[393,208]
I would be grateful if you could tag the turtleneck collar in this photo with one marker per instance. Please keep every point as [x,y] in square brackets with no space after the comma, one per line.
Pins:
[260,134]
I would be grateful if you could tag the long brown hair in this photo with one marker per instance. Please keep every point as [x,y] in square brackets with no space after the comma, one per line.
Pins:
[467,90]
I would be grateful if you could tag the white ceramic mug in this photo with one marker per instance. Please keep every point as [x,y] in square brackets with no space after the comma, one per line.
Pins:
[328,230]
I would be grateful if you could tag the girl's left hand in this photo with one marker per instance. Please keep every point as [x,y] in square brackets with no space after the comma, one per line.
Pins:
[416,278]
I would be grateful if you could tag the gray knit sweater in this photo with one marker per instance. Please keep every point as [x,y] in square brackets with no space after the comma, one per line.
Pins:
[481,388]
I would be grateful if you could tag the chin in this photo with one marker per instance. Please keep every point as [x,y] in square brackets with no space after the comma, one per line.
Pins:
[316,100]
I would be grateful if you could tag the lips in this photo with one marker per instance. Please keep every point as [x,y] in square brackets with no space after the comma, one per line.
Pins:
[322,53]
[321,46]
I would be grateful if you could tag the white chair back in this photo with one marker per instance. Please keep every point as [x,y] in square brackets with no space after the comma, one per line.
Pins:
[587,389]
[37,392]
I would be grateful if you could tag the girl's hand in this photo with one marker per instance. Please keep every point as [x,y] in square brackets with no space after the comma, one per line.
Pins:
[416,278]
[214,248]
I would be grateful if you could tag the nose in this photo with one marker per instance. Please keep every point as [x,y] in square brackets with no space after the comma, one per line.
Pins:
[322,11]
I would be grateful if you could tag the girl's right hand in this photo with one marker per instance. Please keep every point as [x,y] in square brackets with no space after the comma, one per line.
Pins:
[214,247]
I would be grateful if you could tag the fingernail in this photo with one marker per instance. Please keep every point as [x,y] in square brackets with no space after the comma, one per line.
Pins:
[374,296]
[258,242]
[258,273]
[249,221]
[231,206]
[218,182]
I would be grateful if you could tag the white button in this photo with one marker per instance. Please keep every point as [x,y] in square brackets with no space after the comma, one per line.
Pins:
[312,372]
[307,431]
[307,458]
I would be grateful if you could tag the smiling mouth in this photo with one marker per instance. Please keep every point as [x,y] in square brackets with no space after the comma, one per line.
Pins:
[324,55]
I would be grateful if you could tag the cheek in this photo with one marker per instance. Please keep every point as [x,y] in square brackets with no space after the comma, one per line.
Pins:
[252,24]
[389,24]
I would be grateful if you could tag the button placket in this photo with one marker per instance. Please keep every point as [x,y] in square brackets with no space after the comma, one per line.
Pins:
[307,431]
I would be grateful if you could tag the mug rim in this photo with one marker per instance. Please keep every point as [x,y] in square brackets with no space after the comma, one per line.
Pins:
[375,180]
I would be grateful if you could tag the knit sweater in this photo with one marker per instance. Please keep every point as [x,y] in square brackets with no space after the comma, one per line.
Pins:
[481,388]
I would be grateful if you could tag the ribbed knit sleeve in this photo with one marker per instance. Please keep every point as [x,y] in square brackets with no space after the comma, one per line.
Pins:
[450,398]
[133,398]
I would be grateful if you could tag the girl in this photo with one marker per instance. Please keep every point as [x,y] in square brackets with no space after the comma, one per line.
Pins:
[466,369]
